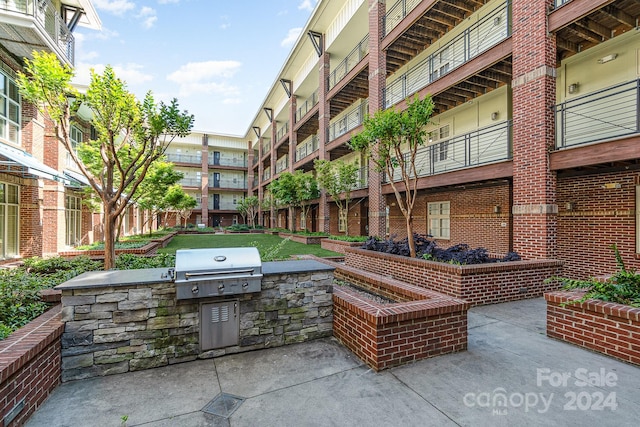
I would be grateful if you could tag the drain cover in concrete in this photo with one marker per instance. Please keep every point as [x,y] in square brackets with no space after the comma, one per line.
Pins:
[223,405]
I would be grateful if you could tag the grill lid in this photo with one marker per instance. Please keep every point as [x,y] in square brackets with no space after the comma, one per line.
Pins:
[199,264]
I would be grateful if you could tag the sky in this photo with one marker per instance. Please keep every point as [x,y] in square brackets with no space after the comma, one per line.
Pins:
[218,58]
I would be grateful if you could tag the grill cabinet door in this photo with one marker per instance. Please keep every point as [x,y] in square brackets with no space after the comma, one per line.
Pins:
[219,324]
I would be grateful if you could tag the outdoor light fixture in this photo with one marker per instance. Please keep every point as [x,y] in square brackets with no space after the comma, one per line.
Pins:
[569,206]
[495,115]
[607,58]
[573,87]
[496,209]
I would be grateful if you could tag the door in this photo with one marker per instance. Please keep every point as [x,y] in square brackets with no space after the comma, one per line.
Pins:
[216,179]
[216,201]
[215,220]
[219,325]
[216,158]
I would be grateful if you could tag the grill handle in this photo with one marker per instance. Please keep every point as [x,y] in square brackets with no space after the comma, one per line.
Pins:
[216,273]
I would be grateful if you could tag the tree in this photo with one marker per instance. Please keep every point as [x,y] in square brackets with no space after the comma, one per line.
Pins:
[391,139]
[248,208]
[337,178]
[181,202]
[129,135]
[295,190]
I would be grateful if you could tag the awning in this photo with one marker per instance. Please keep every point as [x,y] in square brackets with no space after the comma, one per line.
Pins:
[76,179]
[13,160]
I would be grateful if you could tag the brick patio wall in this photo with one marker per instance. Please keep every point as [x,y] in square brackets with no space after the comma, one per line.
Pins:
[605,327]
[29,367]
[338,245]
[478,284]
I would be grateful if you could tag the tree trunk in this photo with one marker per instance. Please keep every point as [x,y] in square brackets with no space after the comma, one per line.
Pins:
[412,243]
[110,220]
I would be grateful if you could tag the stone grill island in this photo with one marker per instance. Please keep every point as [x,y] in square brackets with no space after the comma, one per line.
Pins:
[127,320]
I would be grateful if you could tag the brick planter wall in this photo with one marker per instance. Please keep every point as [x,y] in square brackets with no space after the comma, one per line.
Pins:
[421,324]
[605,327]
[29,366]
[301,238]
[148,249]
[338,245]
[478,284]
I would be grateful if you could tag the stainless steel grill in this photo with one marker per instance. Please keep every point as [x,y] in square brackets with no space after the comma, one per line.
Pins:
[211,272]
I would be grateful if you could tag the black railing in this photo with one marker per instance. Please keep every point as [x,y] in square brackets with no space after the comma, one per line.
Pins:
[348,63]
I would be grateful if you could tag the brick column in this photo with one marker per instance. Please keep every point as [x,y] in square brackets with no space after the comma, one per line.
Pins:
[204,190]
[293,135]
[534,84]
[377,82]
[260,175]
[324,115]
[250,175]
[272,163]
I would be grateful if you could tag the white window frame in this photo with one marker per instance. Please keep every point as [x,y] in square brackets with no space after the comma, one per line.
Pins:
[7,235]
[76,136]
[342,220]
[303,221]
[638,219]
[234,221]
[73,220]
[439,219]
[10,100]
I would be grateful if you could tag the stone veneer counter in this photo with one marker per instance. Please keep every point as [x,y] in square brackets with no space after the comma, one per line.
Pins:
[125,320]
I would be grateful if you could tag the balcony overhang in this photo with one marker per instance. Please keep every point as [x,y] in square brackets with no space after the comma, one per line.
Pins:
[13,160]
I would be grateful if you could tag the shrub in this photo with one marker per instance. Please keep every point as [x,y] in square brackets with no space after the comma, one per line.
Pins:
[134,262]
[344,238]
[238,227]
[428,249]
[623,287]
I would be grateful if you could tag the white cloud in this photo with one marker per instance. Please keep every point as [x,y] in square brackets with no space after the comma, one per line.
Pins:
[206,77]
[116,7]
[230,101]
[131,73]
[291,38]
[307,5]
[148,17]
[168,1]
[225,22]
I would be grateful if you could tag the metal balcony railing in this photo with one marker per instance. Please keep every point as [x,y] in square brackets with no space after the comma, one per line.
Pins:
[282,163]
[240,184]
[397,12]
[348,63]
[233,161]
[307,147]
[190,182]
[482,146]
[184,158]
[46,18]
[282,131]
[363,178]
[266,148]
[559,3]
[307,105]
[598,116]
[222,205]
[266,174]
[349,121]
[479,37]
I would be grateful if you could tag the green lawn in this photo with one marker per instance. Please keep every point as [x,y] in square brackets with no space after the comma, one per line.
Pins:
[262,241]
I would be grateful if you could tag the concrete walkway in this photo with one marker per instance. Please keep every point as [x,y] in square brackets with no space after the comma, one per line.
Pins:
[543,382]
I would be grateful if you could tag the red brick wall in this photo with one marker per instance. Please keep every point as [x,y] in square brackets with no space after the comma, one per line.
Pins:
[478,284]
[608,328]
[597,218]
[338,245]
[30,365]
[31,232]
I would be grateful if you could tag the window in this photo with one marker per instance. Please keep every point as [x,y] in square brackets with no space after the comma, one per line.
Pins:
[75,135]
[438,219]
[234,221]
[73,220]
[9,207]
[440,151]
[342,220]
[10,111]
[235,199]
[637,218]
[303,221]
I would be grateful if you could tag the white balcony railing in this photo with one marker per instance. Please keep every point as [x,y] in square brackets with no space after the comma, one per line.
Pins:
[224,161]
[479,37]
[184,158]
[307,147]
[349,121]
[307,105]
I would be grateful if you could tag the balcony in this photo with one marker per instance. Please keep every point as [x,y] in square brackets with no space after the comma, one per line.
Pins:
[184,158]
[363,178]
[221,205]
[266,148]
[606,114]
[479,37]
[306,106]
[482,146]
[397,13]
[282,163]
[191,182]
[266,175]
[352,59]
[240,184]
[306,147]
[558,3]
[233,162]
[41,28]
[282,131]
[349,121]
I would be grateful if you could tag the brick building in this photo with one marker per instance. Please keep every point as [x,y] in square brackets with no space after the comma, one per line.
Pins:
[533,146]
[40,188]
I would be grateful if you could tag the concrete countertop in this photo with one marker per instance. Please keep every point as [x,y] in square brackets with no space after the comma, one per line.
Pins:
[299,266]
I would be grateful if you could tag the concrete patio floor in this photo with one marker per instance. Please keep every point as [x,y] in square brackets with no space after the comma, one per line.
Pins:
[543,381]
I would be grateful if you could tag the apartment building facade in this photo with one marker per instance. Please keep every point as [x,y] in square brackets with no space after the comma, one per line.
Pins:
[40,188]
[216,174]
[533,144]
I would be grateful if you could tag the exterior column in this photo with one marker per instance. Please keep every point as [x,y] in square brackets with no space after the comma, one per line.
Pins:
[250,175]
[534,85]
[204,190]
[293,135]
[377,82]
[260,178]
[324,115]
[272,163]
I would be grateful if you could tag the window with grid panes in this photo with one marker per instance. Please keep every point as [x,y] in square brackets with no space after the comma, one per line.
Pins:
[75,135]
[73,220]
[438,219]
[303,221]
[10,110]
[9,207]
[342,220]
